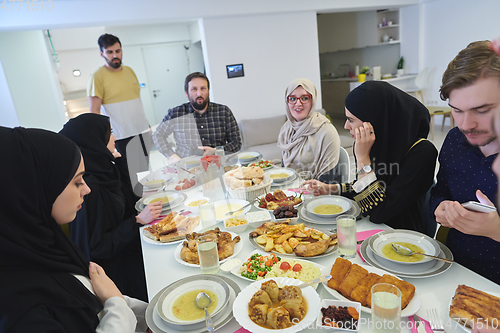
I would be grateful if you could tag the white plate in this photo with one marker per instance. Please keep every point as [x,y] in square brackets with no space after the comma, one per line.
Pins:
[139,205]
[231,201]
[409,271]
[208,282]
[159,174]
[157,325]
[410,309]
[154,242]
[329,251]
[148,199]
[290,172]
[266,168]
[303,214]
[250,156]
[240,306]
[466,329]
[287,193]
[237,249]
[427,244]
[237,271]
[338,200]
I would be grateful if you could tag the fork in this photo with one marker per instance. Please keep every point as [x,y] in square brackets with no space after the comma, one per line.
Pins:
[434,320]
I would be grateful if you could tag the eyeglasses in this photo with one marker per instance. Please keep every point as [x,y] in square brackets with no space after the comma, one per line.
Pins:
[304,99]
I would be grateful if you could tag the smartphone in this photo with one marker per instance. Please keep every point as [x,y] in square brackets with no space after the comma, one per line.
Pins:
[479,207]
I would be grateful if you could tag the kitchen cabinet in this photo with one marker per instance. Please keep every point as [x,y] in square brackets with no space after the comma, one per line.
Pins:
[333,94]
[388,24]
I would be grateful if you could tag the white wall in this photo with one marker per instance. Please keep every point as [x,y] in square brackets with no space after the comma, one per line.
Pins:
[449,26]
[274,50]
[8,116]
[31,77]
[410,38]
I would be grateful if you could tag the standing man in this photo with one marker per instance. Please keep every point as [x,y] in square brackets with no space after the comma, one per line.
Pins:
[114,90]
[198,126]
[471,83]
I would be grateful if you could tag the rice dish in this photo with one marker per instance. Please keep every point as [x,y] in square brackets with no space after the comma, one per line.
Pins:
[307,273]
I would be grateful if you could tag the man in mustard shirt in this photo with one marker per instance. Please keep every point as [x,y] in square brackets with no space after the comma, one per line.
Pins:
[114,90]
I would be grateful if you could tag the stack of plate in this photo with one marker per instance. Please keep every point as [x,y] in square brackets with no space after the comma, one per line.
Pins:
[159,314]
[306,212]
[174,198]
[372,252]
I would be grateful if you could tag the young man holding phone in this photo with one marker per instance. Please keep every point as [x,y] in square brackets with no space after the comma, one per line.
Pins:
[471,84]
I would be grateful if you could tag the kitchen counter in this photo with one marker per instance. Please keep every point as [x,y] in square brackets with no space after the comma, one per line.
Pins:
[404,82]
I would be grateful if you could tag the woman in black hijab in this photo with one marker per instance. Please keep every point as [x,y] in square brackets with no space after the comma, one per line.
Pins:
[107,228]
[44,279]
[395,163]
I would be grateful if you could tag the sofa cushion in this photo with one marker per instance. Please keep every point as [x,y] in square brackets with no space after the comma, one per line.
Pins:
[255,132]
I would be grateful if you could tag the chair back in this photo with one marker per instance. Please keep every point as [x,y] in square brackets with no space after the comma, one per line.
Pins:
[344,165]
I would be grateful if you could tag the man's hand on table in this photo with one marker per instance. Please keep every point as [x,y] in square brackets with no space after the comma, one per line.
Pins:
[453,215]
[207,150]
[150,213]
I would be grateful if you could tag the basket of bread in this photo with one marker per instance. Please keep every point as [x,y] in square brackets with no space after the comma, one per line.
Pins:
[247,183]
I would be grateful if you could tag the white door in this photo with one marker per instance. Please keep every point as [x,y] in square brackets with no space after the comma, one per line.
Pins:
[166,67]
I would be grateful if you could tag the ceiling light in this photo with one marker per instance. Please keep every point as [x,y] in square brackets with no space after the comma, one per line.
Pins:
[64,102]
[77,72]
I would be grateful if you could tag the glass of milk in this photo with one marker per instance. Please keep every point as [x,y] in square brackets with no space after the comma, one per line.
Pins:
[386,308]
[207,252]
[346,235]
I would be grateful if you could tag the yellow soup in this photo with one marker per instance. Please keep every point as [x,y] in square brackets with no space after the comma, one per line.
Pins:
[221,210]
[279,175]
[389,252]
[154,182]
[185,308]
[162,199]
[328,209]
[246,157]
[196,203]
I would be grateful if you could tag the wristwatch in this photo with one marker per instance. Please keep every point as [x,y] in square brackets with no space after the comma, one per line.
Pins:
[366,169]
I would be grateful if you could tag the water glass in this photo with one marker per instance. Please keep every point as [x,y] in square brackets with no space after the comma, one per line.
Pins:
[207,215]
[305,176]
[346,235]
[386,308]
[207,252]
[219,151]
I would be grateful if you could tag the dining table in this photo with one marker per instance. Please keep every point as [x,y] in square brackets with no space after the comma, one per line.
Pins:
[435,292]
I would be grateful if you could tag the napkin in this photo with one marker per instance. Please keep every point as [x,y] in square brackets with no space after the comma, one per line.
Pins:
[414,327]
[242,330]
[362,235]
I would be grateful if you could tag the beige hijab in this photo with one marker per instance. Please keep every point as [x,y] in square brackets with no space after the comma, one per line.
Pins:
[313,135]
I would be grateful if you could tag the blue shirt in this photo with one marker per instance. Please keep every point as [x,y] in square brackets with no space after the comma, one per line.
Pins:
[463,169]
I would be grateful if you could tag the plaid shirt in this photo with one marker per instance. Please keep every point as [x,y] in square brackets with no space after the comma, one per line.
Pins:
[214,127]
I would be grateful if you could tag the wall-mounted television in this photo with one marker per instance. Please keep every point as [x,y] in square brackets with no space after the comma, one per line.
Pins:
[235,71]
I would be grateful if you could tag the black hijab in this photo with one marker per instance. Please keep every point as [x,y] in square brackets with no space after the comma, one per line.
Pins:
[37,257]
[91,133]
[398,120]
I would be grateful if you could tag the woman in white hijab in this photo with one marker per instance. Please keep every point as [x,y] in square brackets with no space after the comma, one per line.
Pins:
[308,140]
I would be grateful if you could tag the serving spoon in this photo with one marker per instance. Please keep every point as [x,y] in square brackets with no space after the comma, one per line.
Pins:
[203,302]
[404,251]
[237,210]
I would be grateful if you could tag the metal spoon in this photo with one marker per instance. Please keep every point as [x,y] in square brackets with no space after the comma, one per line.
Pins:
[248,204]
[203,302]
[407,252]
[318,280]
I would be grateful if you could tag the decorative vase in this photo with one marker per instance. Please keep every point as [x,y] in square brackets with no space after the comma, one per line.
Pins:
[361,77]
[400,72]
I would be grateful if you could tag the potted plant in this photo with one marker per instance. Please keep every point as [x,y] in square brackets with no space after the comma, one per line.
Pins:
[400,70]
[362,74]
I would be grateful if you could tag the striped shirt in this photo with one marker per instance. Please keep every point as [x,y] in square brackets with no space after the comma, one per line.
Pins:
[214,127]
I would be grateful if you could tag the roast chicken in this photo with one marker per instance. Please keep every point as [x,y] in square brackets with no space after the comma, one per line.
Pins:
[225,245]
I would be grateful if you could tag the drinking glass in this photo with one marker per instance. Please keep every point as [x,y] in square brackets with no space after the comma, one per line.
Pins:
[207,215]
[219,151]
[346,234]
[304,176]
[207,252]
[386,308]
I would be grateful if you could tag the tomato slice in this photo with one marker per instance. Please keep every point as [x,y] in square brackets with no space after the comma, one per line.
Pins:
[285,266]
[297,268]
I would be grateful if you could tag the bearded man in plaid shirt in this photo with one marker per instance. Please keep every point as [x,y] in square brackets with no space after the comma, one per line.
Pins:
[198,126]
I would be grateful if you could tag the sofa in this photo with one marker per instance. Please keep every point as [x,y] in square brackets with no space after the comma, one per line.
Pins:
[262,135]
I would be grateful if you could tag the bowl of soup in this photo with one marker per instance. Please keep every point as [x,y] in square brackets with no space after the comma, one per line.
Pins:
[281,175]
[166,197]
[193,204]
[177,307]
[381,245]
[328,206]
[248,156]
[221,207]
